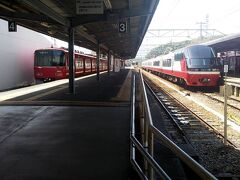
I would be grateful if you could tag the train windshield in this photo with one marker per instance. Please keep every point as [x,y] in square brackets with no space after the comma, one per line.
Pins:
[200,57]
[49,58]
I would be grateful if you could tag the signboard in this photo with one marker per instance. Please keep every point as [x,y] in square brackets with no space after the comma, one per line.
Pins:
[122,27]
[225,68]
[89,6]
[12,26]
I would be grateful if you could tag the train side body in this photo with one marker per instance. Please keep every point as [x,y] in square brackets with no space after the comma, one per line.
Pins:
[194,65]
[53,64]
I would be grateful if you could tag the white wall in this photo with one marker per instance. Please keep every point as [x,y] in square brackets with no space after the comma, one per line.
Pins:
[16,55]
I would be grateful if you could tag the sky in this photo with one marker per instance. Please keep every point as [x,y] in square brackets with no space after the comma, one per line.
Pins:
[223,15]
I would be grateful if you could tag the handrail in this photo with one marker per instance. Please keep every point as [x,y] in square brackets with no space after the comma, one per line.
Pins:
[151,129]
[136,144]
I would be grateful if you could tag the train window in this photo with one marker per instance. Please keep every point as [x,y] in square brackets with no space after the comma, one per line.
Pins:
[58,58]
[87,63]
[49,58]
[201,62]
[200,52]
[79,62]
[167,62]
[94,64]
[156,63]
[178,56]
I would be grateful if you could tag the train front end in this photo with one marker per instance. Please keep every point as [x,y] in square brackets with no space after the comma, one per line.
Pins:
[202,67]
[49,64]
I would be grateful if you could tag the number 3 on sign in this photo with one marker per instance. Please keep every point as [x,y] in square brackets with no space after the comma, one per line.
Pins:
[122,27]
[12,26]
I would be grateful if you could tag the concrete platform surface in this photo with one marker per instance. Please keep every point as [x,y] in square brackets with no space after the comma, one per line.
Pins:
[83,136]
[65,143]
[86,89]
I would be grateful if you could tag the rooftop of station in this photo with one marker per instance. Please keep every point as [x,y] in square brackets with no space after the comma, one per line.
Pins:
[226,43]
[54,18]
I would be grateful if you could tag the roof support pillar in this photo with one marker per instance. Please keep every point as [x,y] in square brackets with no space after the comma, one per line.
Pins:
[98,59]
[71,60]
[109,62]
[114,63]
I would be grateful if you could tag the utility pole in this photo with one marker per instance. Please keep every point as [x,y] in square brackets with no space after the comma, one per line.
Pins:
[225,70]
[201,28]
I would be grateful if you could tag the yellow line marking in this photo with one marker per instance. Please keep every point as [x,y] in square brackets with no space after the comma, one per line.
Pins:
[65,103]
[124,92]
[27,90]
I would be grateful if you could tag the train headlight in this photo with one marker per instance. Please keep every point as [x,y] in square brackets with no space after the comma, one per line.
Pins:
[204,80]
[39,74]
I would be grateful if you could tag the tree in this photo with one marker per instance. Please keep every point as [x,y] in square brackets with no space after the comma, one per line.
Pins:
[166,48]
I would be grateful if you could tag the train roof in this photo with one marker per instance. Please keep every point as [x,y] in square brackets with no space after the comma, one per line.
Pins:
[62,49]
[66,50]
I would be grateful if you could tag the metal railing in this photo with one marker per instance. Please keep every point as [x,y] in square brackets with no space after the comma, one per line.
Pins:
[149,134]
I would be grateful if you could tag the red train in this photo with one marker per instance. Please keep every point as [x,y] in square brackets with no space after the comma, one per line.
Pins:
[194,65]
[52,64]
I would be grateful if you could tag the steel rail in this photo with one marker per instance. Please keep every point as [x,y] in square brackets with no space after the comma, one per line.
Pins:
[179,128]
[197,116]
[215,130]
[222,101]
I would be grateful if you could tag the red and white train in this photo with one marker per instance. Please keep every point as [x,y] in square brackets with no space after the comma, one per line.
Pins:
[53,64]
[194,65]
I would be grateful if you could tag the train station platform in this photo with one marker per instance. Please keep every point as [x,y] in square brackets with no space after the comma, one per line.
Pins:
[51,134]
[233,87]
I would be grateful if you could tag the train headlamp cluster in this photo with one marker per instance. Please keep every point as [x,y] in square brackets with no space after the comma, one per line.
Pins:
[204,80]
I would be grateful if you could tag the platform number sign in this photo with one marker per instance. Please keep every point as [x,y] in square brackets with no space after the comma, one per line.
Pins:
[12,26]
[122,27]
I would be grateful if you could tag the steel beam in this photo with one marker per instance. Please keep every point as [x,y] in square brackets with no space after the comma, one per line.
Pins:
[26,16]
[109,62]
[114,62]
[43,8]
[98,59]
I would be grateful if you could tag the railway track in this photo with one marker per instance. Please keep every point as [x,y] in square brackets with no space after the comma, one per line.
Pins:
[195,127]
[202,129]
[233,103]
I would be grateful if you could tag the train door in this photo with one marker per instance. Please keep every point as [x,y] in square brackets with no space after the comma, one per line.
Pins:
[237,66]
[79,65]
[67,63]
[94,65]
[87,65]
[232,64]
[100,65]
